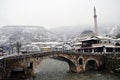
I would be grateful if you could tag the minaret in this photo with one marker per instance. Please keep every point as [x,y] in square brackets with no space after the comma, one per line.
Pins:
[95,22]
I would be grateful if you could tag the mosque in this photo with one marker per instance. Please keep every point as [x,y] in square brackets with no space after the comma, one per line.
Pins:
[99,44]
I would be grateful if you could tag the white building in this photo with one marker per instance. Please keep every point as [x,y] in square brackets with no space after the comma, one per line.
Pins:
[98,44]
[49,46]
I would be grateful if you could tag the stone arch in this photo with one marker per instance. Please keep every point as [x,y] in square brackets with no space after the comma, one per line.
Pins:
[81,60]
[16,70]
[72,66]
[91,64]
[30,65]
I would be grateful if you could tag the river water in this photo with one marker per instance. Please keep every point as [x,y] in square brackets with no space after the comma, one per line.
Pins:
[51,69]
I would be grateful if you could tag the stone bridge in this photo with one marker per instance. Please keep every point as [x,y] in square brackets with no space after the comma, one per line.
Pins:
[28,63]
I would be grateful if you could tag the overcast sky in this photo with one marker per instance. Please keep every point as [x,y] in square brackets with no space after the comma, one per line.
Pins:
[56,13]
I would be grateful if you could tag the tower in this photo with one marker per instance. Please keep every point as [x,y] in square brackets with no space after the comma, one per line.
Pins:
[95,22]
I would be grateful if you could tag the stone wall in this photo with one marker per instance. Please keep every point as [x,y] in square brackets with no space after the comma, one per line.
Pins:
[114,63]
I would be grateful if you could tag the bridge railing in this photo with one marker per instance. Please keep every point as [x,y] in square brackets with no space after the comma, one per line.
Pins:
[70,52]
[65,52]
[111,54]
[73,51]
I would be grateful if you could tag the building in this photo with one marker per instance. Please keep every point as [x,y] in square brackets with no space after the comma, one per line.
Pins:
[98,44]
[30,48]
[49,46]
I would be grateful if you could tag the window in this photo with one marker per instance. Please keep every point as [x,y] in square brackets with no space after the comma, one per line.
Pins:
[30,65]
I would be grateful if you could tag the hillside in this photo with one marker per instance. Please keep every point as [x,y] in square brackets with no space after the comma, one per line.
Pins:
[26,34]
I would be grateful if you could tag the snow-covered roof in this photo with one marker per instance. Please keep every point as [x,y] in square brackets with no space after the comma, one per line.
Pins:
[77,43]
[97,38]
[103,37]
[56,43]
[46,47]
[59,47]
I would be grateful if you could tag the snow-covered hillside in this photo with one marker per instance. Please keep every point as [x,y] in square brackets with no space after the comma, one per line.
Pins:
[26,34]
[37,34]
[70,32]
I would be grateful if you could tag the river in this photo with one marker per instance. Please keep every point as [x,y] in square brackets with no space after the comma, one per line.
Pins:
[51,69]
